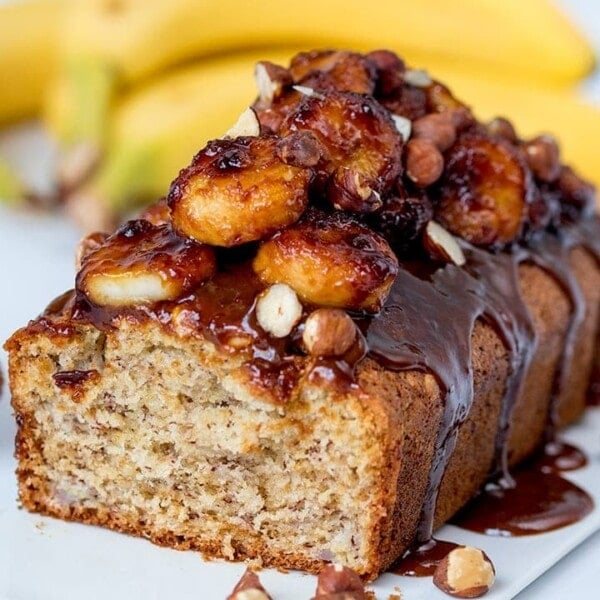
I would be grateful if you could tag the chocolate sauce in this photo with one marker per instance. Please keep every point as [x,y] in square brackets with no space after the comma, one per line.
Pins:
[421,560]
[558,456]
[539,502]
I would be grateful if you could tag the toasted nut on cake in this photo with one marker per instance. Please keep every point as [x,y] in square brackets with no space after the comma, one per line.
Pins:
[237,191]
[143,263]
[437,128]
[442,245]
[424,162]
[483,191]
[359,136]
[278,310]
[247,124]
[249,587]
[330,260]
[465,572]
[337,579]
[334,70]
[543,157]
[328,332]
[270,80]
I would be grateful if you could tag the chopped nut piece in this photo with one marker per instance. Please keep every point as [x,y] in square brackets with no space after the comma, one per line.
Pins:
[270,80]
[249,587]
[328,332]
[437,128]
[348,190]
[390,69]
[307,91]
[246,125]
[543,157]
[441,245]
[466,572]
[278,310]
[337,581]
[424,162]
[418,78]
[403,125]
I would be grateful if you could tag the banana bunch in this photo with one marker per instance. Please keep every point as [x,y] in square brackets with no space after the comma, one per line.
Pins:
[131,89]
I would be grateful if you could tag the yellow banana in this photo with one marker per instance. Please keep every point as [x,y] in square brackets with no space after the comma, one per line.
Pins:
[158,128]
[28,55]
[122,42]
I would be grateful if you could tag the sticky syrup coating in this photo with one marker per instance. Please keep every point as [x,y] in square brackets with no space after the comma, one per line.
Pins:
[330,260]
[144,263]
[361,143]
[482,195]
[236,191]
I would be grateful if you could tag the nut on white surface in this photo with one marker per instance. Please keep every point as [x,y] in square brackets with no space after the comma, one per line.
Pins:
[246,125]
[442,245]
[278,310]
[328,332]
[465,572]
[250,595]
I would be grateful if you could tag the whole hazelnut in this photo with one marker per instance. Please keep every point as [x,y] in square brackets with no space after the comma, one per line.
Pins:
[300,149]
[249,587]
[437,128]
[465,572]
[328,332]
[424,162]
[543,157]
[502,128]
[278,310]
[337,581]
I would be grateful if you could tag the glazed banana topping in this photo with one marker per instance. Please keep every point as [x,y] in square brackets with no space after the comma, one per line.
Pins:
[345,168]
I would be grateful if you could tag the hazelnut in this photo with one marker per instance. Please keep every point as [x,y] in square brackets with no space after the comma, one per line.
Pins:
[390,69]
[543,157]
[246,125]
[404,126]
[301,149]
[465,572]
[328,332]
[270,79]
[249,587]
[337,581]
[437,128]
[503,128]
[442,245]
[417,78]
[424,162]
[278,310]
[349,190]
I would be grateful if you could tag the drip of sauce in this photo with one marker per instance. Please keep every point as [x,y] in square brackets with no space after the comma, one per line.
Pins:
[540,501]
[421,560]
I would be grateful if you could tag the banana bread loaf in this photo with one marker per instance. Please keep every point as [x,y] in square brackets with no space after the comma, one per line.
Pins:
[349,313]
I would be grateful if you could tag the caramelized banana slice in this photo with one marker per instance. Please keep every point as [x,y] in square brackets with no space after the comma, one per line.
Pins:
[363,147]
[330,260]
[237,191]
[483,191]
[143,263]
[334,70]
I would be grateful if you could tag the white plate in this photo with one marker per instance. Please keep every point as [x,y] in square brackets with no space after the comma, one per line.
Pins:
[46,559]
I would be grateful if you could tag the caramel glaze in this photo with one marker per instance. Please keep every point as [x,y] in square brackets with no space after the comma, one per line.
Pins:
[404,336]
